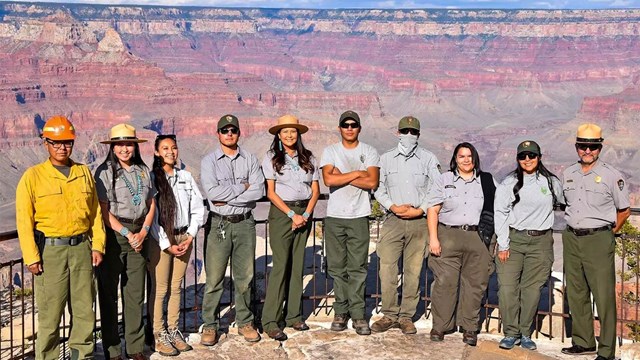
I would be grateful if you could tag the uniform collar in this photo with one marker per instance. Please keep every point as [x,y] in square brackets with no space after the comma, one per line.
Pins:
[415,153]
[220,154]
[72,173]
[457,177]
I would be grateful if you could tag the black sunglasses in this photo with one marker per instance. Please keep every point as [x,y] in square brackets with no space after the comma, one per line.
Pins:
[353,125]
[232,130]
[409,131]
[592,147]
[530,155]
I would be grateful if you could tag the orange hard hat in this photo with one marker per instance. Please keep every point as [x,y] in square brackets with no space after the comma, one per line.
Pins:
[58,128]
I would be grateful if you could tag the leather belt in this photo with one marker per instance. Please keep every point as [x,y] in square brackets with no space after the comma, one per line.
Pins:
[64,240]
[461,227]
[531,232]
[297,203]
[585,232]
[180,231]
[138,221]
[232,218]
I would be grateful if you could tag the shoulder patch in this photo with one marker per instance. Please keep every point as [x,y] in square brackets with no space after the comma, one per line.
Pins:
[620,184]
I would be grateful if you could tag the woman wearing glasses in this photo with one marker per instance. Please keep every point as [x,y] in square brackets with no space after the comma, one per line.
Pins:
[179,215]
[126,198]
[524,217]
[460,259]
[292,177]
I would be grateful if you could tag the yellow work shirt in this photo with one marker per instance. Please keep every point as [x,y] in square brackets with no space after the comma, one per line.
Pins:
[58,206]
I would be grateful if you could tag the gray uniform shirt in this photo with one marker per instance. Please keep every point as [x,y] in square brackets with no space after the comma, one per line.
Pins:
[119,198]
[406,180]
[223,180]
[349,202]
[534,211]
[461,200]
[294,183]
[594,198]
[189,207]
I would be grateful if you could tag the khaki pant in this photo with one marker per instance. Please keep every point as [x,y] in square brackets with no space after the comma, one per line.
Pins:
[406,239]
[460,279]
[347,242]
[521,278]
[589,265]
[285,279]
[167,272]
[122,265]
[67,277]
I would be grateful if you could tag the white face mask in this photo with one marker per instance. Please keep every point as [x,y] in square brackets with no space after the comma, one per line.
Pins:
[407,144]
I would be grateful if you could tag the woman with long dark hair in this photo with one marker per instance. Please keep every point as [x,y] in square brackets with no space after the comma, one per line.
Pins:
[524,217]
[179,215]
[292,177]
[459,258]
[126,198]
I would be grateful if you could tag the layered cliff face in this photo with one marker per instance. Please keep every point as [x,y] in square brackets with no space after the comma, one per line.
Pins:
[491,77]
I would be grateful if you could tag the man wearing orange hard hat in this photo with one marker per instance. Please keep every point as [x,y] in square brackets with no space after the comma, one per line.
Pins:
[597,199]
[62,238]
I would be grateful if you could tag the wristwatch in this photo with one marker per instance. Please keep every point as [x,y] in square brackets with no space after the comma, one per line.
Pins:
[124,231]
[306,215]
[290,214]
[147,227]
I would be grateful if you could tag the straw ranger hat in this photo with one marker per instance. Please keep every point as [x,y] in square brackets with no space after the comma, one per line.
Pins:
[589,134]
[123,132]
[288,121]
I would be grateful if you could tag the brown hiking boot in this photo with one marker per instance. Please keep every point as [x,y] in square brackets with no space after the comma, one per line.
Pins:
[209,337]
[339,322]
[470,337]
[178,341]
[384,324]
[361,326]
[163,344]
[249,332]
[407,327]
[436,335]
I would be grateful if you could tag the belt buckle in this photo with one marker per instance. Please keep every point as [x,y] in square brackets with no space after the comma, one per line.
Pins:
[465,227]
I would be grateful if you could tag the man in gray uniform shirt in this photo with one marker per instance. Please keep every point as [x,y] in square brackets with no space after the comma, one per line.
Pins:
[350,170]
[232,182]
[598,204]
[406,173]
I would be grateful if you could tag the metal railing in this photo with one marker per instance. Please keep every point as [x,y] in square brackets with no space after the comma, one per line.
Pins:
[18,316]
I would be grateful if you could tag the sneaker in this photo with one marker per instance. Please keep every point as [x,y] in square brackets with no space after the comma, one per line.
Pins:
[384,324]
[249,332]
[209,337]
[163,344]
[527,343]
[361,326]
[407,327]
[508,342]
[339,322]
[178,341]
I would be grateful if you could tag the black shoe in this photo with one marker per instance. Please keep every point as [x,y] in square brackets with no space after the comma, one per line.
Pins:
[578,350]
[277,334]
[600,357]
[339,322]
[436,335]
[361,326]
[470,338]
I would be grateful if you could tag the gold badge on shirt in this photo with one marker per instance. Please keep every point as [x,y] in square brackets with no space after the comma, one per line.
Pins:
[598,179]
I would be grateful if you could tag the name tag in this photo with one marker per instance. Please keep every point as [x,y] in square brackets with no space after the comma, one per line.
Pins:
[449,186]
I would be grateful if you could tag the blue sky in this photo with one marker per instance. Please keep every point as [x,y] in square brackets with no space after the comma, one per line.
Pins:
[386,4]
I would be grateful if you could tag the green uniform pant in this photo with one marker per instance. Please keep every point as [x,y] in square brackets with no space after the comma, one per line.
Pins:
[460,279]
[521,278]
[589,265]
[285,279]
[236,241]
[347,242]
[122,264]
[406,239]
[67,278]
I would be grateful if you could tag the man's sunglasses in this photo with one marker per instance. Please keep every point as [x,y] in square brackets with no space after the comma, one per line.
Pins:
[353,125]
[232,130]
[59,144]
[592,147]
[525,155]
[409,131]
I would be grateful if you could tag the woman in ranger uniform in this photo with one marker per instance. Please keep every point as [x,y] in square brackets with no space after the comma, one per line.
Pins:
[179,215]
[460,258]
[292,178]
[126,196]
[523,220]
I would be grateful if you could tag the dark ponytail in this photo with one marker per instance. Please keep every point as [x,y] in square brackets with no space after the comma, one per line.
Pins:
[165,199]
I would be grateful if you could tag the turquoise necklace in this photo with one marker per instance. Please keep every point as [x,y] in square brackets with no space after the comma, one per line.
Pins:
[294,165]
[136,197]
